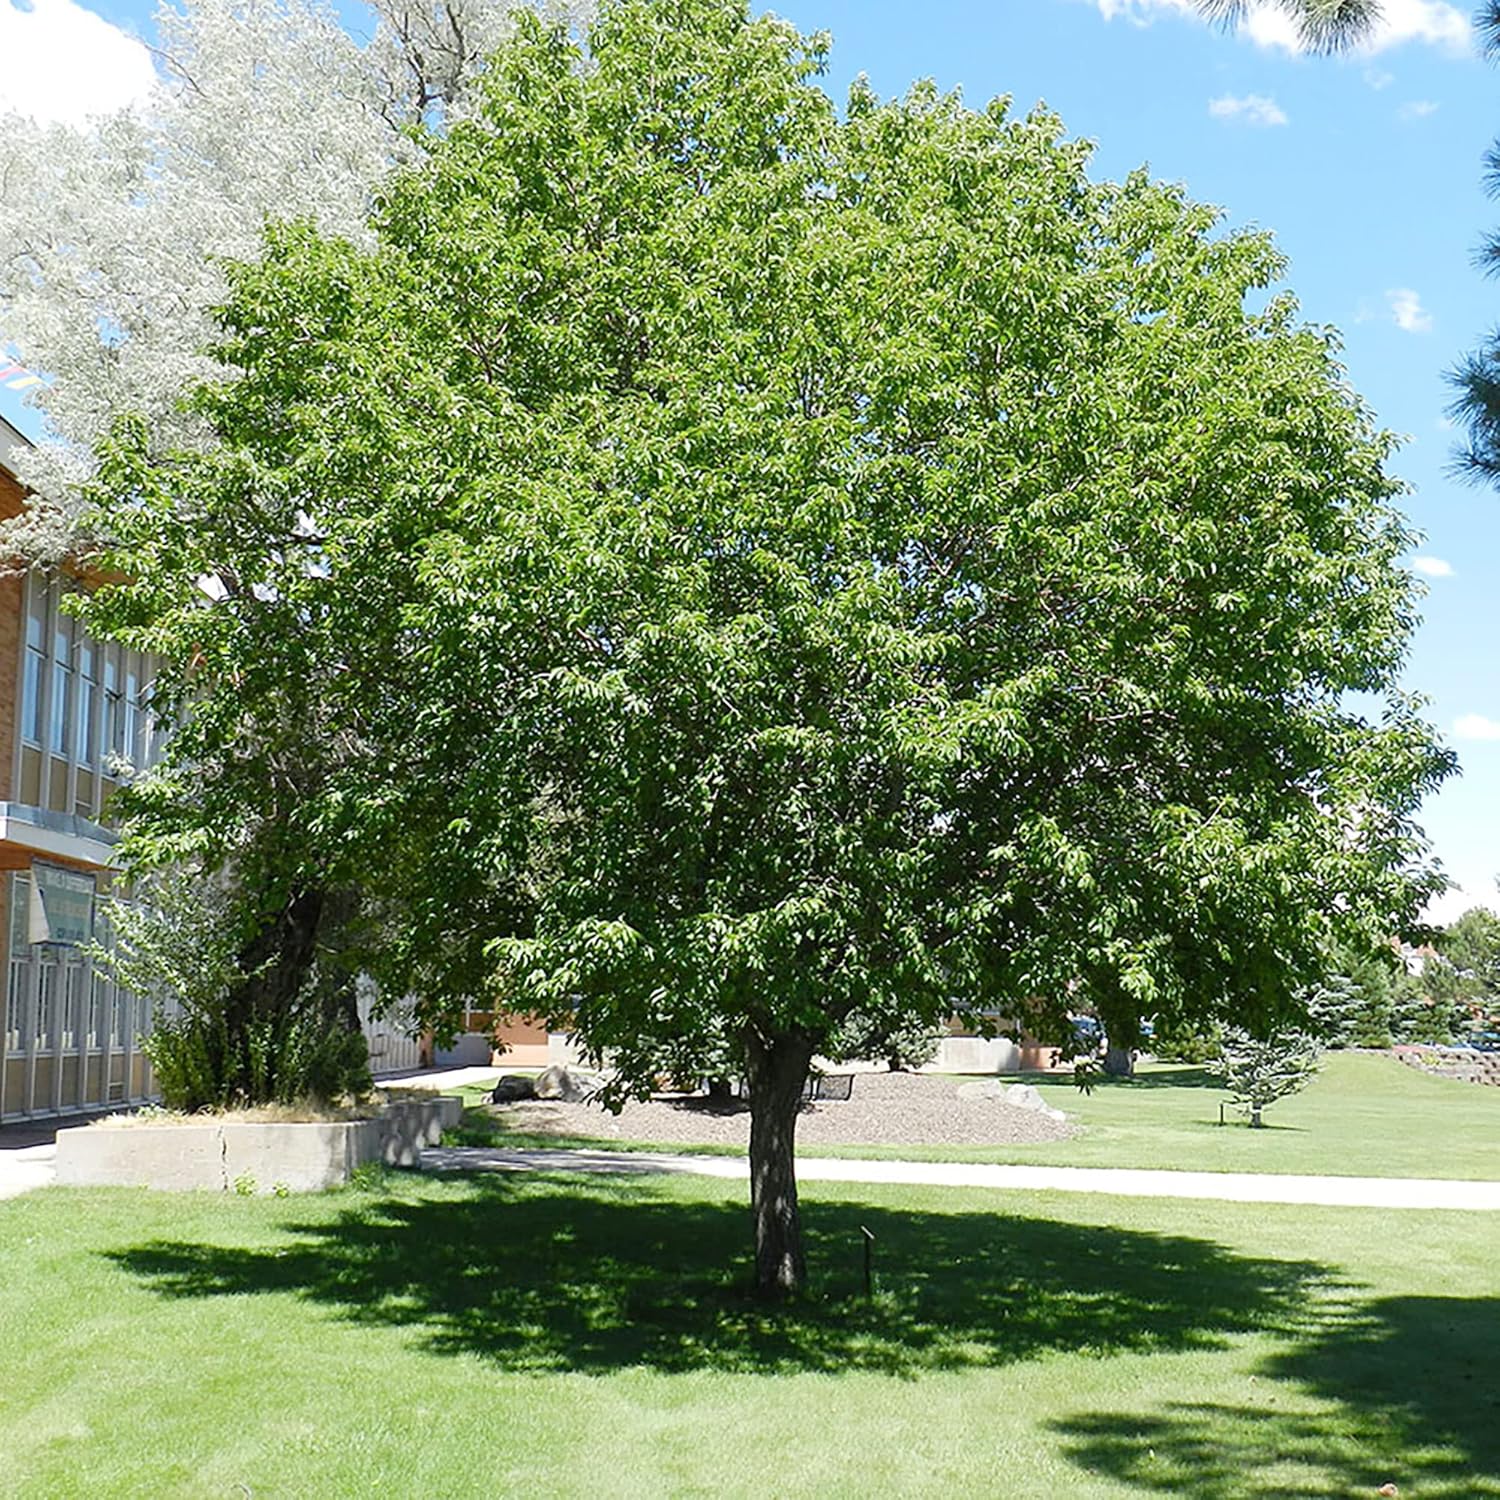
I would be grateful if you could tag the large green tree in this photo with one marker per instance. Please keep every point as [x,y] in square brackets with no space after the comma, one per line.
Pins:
[780,564]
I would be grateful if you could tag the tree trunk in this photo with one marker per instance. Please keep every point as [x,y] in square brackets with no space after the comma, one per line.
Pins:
[777,1071]
[276,963]
[1122,1027]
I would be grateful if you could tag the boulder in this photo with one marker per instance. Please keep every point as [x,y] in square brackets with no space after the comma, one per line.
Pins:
[513,1086]
[1017,1095]
[988,1088]
[565,1085]
[1025,1096]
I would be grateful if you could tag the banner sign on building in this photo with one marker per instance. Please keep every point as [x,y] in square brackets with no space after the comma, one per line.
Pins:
[62,906]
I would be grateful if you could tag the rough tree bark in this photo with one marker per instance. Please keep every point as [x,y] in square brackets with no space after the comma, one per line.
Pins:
[1122,1030]
[275,962]
[777,1070]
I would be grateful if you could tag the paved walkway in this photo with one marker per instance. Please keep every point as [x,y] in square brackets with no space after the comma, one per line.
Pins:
[25,1167]
[1230,1187]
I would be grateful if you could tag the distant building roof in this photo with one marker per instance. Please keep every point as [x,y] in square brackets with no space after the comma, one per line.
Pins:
[11,437]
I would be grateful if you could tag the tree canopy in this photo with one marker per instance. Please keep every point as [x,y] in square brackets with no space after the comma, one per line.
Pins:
[712,565]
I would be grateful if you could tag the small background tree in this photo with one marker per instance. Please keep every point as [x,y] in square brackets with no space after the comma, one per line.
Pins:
[902,1042]
[1259,1071]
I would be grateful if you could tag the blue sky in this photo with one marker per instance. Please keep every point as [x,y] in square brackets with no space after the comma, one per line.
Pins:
[1367,169]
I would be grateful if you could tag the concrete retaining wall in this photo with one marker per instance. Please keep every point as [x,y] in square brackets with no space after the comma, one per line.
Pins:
[975,1054]
[231,1156]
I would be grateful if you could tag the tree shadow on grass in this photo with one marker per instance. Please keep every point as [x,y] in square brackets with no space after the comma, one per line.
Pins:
[1397,1390]
[539,1274]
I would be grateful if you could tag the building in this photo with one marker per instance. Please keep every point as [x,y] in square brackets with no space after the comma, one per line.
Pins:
[72,712]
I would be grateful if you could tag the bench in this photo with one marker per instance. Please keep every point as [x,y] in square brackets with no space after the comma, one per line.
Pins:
[837,1087]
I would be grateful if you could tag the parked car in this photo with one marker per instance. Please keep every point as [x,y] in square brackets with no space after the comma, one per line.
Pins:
[1481,1041]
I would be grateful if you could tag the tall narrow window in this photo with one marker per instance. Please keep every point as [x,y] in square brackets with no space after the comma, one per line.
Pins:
[97,997]
[60,738]
[73,975]
[114,721]
[46,1005]
[36,662]
[20,953]
[87,694]
[131,748]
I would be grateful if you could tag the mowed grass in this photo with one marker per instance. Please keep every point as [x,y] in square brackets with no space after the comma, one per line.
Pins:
[483,1336]
[1364,1115]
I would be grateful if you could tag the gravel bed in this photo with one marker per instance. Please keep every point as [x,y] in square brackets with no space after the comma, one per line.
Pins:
[885,1109]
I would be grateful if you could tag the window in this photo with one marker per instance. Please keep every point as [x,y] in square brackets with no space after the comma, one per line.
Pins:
[94,1037]
[34,666]
[20,953]
[61,734]
[46,1005]
[87,695]
[83,702]
[131,747]
[114,723]
[73,975]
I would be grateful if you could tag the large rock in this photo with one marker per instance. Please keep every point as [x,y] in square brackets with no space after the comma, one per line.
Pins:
[988,1088]
[1017,1095]
[513,1086]
[1025,1096]
[564,1084]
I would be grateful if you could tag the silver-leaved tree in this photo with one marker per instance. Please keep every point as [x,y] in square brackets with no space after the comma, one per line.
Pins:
[751,564]
[114,236]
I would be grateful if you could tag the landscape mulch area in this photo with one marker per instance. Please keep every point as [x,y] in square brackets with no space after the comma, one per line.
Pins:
[885,1109]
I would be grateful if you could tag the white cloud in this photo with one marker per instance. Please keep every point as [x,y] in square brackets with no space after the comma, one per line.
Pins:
[1432,567]
[1475,727]
[1454,902]
[1378,78]
[1253,109]
[1434,22]
[61,62]
[1407,311]
[1417,109]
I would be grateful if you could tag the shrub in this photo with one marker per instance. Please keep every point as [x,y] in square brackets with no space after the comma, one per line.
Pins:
[181,944]
[1183,1042]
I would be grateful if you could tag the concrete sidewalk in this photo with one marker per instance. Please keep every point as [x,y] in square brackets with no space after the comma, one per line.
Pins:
[32,1167]
[1228,1187]
[26,1167]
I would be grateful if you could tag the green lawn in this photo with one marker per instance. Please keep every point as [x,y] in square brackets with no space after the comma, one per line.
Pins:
[488,1336]
[1364,1116]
